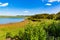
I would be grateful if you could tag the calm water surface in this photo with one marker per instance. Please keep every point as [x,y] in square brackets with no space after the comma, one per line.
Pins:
[10,20]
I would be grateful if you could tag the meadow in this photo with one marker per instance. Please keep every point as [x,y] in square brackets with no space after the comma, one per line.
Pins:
[43,30]
[31,30]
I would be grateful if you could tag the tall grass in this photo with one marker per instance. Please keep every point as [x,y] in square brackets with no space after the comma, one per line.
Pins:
[40,31]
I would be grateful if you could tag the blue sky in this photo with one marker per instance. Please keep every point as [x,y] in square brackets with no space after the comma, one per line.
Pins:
[28,7]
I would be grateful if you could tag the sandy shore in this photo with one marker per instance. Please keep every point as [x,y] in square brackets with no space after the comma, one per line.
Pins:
[18,24]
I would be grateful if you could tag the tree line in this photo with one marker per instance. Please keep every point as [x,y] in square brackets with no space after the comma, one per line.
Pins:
[46,16]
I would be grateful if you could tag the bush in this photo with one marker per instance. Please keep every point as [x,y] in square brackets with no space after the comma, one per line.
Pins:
[34,33]
[54,30]
[39,31]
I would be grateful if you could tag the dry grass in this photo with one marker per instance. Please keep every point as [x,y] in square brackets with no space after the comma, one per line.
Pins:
[12,28]
[18,24]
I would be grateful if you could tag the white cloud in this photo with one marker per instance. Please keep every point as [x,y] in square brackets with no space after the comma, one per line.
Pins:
[53,0]
[3,4]
[26,11]
[48,4]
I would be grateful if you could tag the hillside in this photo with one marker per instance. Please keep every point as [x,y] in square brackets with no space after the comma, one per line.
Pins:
[55,16]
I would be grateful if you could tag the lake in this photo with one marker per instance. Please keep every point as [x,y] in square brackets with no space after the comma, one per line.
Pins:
[10,20]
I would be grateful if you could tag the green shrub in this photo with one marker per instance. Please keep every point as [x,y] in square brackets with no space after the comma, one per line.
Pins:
[54,30]
[34,33]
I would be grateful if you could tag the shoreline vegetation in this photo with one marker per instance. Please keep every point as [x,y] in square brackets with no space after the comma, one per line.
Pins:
[11,28]
[36,27]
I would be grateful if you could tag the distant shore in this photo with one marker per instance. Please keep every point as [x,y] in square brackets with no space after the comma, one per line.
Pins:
[12,16]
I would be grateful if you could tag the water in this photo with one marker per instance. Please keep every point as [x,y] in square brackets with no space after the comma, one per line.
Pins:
[10,20]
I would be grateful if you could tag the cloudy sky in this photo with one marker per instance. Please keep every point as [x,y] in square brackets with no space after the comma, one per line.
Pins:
[28,7]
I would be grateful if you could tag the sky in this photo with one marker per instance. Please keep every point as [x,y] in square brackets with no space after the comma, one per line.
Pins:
[28,7]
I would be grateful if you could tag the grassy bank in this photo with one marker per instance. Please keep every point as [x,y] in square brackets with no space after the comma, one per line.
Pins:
[31,30]
[12,28]
[43,30]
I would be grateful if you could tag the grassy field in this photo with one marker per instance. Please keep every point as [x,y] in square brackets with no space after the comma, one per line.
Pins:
[43,30]
[29,28]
